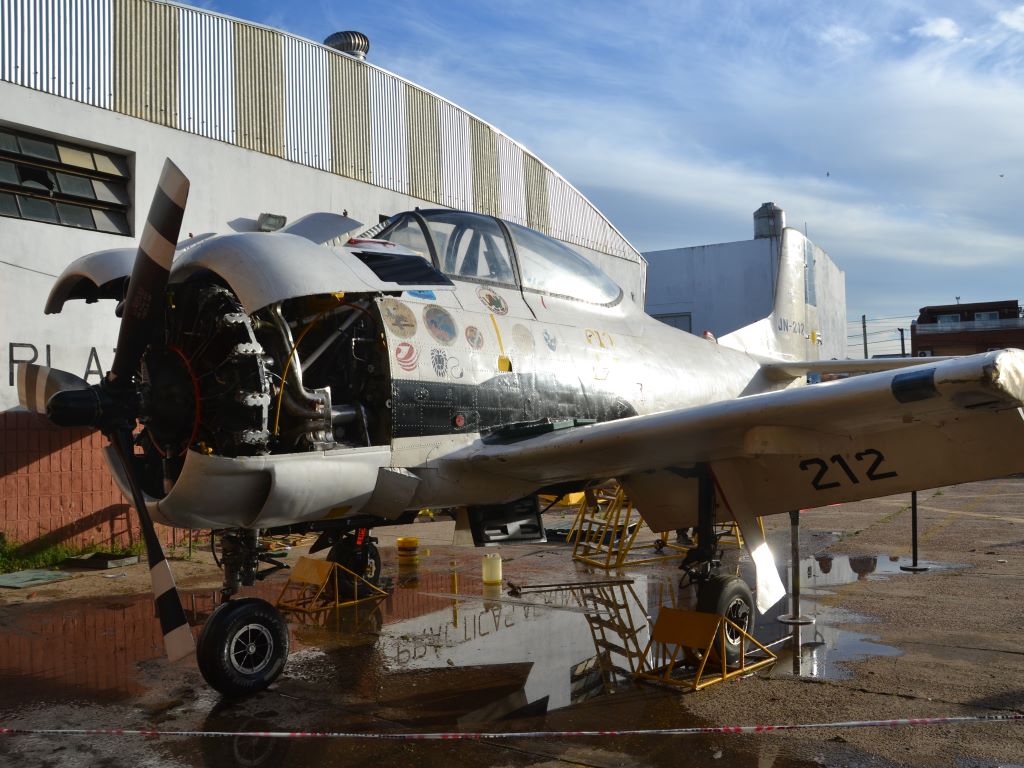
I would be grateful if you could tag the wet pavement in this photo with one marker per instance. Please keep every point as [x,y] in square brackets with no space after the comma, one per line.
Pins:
[443,652]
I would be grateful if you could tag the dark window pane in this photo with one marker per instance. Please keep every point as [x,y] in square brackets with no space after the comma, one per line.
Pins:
[38,148]
[70,184]
[36,178]
[8,205]
[110,192]
[38,210]
[8,143]
[112,221]
[8,174]
[75,216]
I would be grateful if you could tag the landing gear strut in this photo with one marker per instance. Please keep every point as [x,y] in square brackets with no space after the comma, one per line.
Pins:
[244,644]
[723,594]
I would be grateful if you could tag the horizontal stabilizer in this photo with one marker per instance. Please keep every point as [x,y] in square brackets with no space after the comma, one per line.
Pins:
[793,369]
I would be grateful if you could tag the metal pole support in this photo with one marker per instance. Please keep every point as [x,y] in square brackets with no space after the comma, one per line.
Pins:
[794,616]
[915,568]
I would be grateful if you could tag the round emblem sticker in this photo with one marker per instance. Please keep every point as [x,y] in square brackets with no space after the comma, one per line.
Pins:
[406,356]
[492,300]
[522,338]
[440,324]
[398,318]
[474,337]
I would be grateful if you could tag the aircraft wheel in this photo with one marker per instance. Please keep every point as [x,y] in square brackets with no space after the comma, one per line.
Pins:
[728,596]
[243,647]
[367,566]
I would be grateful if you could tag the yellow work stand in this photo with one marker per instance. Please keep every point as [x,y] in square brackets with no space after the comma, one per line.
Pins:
[685,646]
[314,585]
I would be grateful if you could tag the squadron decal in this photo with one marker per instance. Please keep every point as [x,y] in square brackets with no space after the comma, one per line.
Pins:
[440,323]
[399,318]
[474,337]
[551,340]
[522,338]
[492,300]
[439,359]
[406,356]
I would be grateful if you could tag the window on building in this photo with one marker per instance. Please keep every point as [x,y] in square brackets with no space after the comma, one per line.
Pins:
[680,320]
[948,318]
[53,181]
[986,317]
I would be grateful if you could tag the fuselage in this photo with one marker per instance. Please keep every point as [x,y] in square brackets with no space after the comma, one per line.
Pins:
[503,347]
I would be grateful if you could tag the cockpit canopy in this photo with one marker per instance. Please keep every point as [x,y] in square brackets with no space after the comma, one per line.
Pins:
[471,246]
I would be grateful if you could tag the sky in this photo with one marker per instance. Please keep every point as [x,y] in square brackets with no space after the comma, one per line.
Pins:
[892,132]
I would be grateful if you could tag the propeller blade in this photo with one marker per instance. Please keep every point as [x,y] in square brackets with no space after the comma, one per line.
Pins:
[178,640]
[37,384]
[144,305]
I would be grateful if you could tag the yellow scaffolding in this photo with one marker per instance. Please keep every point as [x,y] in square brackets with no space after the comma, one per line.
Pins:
[314,585]
[606,528]
[684,642]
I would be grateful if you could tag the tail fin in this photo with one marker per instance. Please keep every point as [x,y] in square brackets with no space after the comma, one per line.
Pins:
[798,328]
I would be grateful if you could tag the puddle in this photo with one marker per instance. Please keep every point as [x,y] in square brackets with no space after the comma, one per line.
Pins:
[823,646]
[441,650]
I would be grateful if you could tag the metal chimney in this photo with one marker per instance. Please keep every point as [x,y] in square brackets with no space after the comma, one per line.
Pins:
[769,221]
[351,43]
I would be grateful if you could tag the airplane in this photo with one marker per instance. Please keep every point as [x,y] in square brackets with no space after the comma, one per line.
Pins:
[272,382]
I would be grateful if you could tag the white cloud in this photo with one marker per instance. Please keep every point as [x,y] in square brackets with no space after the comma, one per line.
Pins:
[1013,19]
[942,28]
[843,38]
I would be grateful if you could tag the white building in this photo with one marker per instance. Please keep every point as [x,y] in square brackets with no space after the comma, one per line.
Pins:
[720,288]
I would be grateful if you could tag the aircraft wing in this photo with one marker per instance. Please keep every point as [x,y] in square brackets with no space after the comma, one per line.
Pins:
[873,435]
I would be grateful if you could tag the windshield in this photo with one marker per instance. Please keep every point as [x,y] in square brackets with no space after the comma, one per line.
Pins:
[553,267]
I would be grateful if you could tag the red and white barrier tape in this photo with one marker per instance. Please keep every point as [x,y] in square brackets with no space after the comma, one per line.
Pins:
[455,736]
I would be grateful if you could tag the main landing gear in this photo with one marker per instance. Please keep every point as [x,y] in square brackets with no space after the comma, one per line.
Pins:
[721,593]
[243,646]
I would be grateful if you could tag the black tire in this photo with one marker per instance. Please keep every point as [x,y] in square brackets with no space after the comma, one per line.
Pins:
[243,647]
[729,596]
[367,566]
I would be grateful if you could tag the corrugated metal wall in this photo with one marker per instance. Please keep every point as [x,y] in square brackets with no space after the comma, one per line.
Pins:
[284,96]
[259,89]
[456,156]
[63,47]
[423,143]
[306,116]
[350,118]
[485,167]
[206,84]
[145,54]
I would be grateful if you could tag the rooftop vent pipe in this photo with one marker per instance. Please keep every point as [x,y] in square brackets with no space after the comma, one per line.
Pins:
[351,43]
[769,221]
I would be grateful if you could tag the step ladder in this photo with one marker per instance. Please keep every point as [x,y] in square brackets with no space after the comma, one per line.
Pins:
[615,630]
[688,649]
[606,528]
[318,585]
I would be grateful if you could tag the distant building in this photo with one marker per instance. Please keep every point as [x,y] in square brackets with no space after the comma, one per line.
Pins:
[726,286]
[964,329]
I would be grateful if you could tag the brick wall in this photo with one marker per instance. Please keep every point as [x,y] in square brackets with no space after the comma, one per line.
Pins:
[55,488]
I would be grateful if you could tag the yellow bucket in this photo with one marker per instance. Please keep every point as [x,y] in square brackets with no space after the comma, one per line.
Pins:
[408,551]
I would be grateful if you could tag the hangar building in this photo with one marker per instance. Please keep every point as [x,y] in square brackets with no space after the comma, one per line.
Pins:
[96,93]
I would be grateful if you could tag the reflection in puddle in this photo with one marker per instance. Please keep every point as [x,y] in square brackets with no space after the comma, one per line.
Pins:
[823,647]
[426,656]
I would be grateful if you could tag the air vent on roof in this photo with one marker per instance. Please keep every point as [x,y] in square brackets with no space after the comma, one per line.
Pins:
[354,44]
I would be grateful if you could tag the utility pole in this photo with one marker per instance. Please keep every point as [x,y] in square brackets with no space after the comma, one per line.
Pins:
[864,330]
[903,344]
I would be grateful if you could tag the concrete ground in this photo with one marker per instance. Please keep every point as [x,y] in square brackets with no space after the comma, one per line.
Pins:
[86,653]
